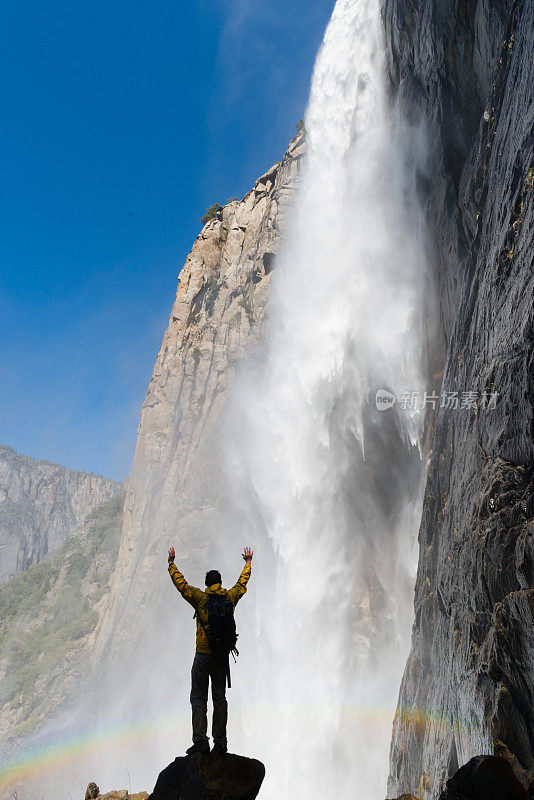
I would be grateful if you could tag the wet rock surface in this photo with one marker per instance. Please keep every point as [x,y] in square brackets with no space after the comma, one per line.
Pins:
[210,777]
[467,69]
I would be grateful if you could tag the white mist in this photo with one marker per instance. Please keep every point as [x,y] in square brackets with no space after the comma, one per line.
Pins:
[325,486]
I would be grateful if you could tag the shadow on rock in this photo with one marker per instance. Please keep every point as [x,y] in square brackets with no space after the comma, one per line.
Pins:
[210,777]
[485,778]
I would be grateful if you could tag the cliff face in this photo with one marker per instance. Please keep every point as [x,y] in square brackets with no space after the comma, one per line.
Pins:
[216,318]
[48,615]
[41,505]
[467,68]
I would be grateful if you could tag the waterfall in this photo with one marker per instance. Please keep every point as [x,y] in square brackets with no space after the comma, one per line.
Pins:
[323,484]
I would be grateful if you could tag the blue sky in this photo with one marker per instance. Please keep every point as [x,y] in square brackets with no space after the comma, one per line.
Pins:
[121,122]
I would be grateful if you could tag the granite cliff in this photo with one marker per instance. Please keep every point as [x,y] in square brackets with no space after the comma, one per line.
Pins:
[217,317]
[467,70]
[41,505]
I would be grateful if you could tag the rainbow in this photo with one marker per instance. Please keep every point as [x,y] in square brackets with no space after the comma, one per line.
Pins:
[59,754]
[63,752]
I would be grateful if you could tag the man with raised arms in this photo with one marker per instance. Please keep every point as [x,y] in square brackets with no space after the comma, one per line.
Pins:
[215,639]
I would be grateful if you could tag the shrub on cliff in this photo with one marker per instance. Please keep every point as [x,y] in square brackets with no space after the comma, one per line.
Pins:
[211,213]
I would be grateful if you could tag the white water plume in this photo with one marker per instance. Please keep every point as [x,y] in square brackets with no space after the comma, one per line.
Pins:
[327,486]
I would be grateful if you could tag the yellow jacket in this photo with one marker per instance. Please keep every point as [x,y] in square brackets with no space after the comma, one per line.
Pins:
[198,598]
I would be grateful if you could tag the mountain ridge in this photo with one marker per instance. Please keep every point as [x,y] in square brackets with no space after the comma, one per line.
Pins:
[41,505]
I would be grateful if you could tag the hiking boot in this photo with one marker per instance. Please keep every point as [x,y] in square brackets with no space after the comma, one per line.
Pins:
[198,747]
[220,749]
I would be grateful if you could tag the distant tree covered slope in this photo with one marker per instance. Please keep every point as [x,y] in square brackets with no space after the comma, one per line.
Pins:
[41,506]
[47,617]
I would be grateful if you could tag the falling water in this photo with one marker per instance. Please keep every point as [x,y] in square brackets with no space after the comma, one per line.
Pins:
[325,485]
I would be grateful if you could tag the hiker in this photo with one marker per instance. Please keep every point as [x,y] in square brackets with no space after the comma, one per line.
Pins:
[216,638]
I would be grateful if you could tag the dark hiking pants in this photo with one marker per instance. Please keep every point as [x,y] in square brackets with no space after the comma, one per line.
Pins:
[206,667]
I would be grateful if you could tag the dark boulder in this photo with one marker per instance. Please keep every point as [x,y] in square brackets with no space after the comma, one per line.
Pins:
[210,777]
[485,778]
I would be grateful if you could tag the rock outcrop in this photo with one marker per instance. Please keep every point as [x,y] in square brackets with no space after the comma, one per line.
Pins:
[467,70]
[41,505]
[485,778]
[217,317]
[93,793]
[211,777]
[405,797]
[122,794]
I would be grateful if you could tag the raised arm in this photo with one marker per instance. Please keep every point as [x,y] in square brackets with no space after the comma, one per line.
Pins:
[189,593]
[237,591]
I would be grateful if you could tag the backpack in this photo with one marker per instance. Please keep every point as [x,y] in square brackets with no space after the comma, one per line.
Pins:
[223,635]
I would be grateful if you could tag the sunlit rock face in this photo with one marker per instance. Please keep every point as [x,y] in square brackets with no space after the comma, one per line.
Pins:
[468,685]
[217,317]
[41,506]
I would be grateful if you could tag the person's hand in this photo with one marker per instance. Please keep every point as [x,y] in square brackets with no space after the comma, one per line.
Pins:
[247,555]
[171,555]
